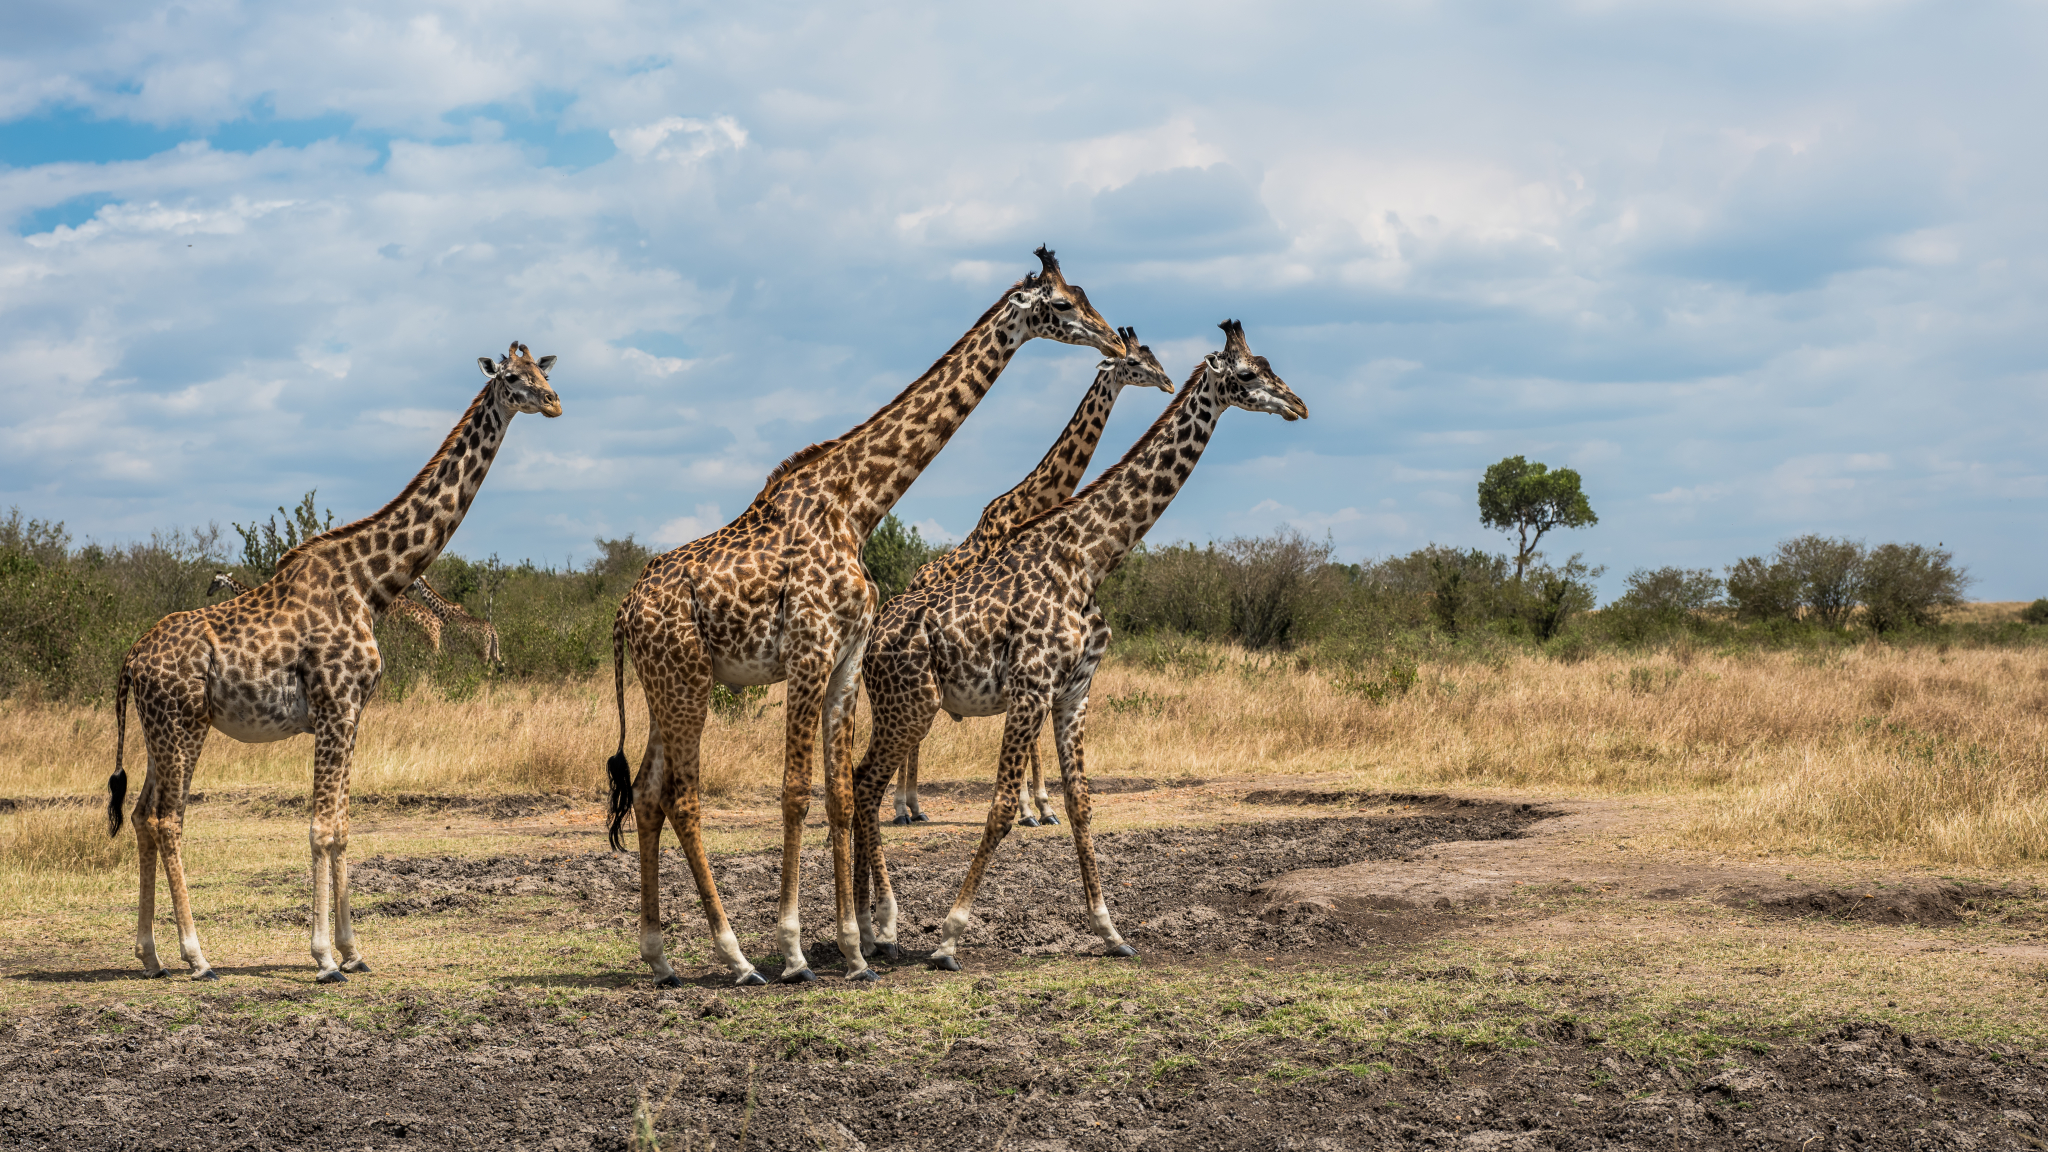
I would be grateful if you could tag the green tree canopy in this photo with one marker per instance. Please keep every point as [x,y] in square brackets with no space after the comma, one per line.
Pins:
[263,545]
[1529,498]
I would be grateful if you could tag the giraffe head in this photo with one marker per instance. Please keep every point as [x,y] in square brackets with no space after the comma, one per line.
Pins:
[1136,366]
[1247,381]
[222,582]
[1044,304]
[523,381]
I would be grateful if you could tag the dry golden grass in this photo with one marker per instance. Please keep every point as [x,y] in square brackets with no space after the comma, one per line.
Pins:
[1910,754]
[1985,612]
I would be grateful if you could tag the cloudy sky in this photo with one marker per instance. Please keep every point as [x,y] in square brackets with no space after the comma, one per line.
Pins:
[1752,269]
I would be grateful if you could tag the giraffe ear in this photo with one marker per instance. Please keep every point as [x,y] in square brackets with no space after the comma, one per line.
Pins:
[546,364]
[489,365]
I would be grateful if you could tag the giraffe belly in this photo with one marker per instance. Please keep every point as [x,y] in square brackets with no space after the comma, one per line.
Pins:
[268,710]
[973,700]
[746,672]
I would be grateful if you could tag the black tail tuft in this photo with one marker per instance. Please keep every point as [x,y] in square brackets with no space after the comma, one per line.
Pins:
[117,784]
[622,796]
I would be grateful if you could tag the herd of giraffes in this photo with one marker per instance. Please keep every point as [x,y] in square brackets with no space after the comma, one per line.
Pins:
[1005,623]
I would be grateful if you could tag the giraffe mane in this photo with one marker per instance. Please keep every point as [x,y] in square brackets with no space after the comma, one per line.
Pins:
[306,547]
[795,460]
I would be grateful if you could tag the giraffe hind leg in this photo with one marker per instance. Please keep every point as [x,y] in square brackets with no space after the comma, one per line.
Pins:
[145,822]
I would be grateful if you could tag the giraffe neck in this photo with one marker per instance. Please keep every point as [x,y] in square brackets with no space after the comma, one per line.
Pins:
[387,550]
[1056,476]
[868,469]
[1111,515]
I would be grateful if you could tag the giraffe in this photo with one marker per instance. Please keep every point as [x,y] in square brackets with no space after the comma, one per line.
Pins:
[297,654]
[1055,479]
[1021,634]
[413,614]
[781,594]
[482,633]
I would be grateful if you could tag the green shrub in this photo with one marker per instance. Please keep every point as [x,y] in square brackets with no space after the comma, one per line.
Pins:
[2035,613]
[894,552]
[1905,585]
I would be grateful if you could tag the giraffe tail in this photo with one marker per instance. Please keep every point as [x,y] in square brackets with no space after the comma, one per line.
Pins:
[117,784]
[616,768]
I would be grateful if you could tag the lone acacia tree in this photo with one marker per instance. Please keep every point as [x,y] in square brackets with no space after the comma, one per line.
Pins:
[1530,499]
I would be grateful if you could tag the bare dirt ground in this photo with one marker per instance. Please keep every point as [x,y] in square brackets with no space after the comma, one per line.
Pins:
[1287,996]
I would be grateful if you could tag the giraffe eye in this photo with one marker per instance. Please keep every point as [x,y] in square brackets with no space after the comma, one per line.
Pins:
[1063,305]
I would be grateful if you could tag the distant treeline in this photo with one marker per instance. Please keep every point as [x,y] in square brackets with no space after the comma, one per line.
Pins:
[68,612]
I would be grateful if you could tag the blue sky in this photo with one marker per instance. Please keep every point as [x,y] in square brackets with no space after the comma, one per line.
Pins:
[1752,269]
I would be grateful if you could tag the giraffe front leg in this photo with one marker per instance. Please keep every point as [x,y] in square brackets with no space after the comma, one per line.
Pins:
[1069,729]
[323,832]
[841,693]
[1020,728]
[344,925]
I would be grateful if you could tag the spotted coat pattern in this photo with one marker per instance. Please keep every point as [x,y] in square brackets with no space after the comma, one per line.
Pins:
[781,594]
[1021,634]
[1053,480]
[297,654]
[416,615]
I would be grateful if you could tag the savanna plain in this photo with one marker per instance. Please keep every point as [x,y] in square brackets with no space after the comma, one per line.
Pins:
[1676,897]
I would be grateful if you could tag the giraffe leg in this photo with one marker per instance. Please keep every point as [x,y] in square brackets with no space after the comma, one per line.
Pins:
[674,785]
[901,721]
[678,700]
[169,809]
[1024,781]
[805,697]
[650,809]
[1069,731]
[145,821]
[1041,800]
[334,738]
[841,698]
[1020,730]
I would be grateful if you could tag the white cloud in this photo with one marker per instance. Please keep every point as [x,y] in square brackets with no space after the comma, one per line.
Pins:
[683,529]
[1798,293]
[681,139]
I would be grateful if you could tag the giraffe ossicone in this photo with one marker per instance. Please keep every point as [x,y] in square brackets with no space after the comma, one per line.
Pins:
[1021,634]
[1054,479]
[780,594]
[298,654]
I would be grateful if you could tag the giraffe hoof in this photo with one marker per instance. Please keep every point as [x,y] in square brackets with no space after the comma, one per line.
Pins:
[1050,819]
[864,976]
[159,974]
[800,976]
[919,818]
[334,977]
[900,819]
[890,952]
[945,964]
[209,974]
[750,980]
[355,966]
[669,981]
[1027,822]
[1122,952]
